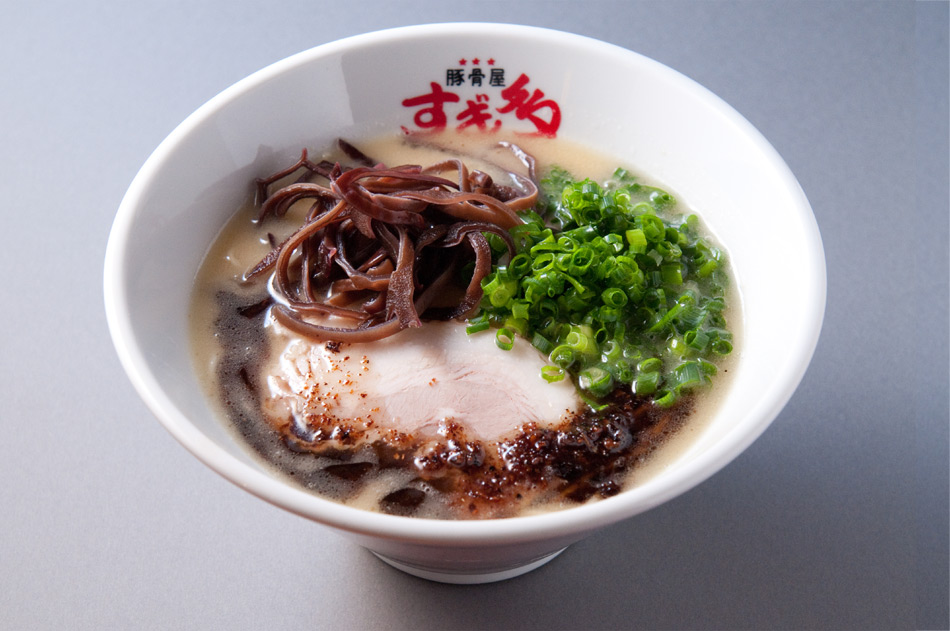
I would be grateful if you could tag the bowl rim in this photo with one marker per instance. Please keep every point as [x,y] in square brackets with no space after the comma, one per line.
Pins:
[570,522]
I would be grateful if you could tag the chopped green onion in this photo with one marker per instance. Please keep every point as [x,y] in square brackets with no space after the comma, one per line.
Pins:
[646,383]
[672,273]
[596,380]
[519,309]
[709,369]
[653,228]
[643,208]
[707,268]
[666,398]
[621,371]
[516,325]
[519,266]
[477,324]
[541,343]
[563,356]
[543,263]
[687,375]
[505,339]
[612,286]
[581,340]
[552,373]
[637,240]
[721,347]
[696,339]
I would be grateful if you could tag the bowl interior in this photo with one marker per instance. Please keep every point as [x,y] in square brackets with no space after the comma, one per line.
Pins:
[651,118]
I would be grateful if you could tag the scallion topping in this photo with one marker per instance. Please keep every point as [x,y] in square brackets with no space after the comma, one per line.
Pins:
[505,339]
[614,287]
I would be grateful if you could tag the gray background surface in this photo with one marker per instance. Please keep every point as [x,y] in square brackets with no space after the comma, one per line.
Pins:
[835,519]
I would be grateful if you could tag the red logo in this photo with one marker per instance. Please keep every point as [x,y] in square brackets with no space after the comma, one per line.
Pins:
[492,103]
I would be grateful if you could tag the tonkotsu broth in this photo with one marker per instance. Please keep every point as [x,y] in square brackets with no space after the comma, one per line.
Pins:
[230,350]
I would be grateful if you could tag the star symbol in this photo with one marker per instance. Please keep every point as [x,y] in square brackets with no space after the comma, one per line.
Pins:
[475,61]
[491,61]
[463,61]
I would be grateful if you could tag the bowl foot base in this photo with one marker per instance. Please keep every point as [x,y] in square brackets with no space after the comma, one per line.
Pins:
[465,578]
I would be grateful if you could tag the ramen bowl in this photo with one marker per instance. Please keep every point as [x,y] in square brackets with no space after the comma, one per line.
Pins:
[497,79]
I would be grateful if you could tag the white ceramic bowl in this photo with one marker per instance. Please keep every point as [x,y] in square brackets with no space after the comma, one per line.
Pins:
[656,120]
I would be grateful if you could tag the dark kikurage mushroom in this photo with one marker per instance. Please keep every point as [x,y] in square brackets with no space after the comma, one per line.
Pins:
[383,248]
